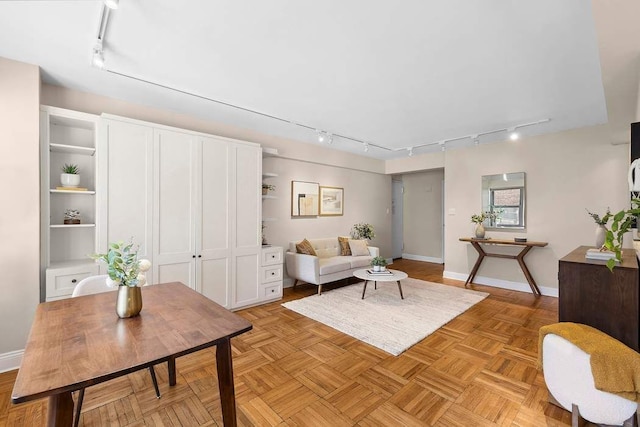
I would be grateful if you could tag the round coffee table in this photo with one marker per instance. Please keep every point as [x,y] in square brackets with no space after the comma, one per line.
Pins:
[395,276]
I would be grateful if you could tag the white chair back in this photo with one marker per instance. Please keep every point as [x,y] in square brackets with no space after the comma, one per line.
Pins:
[92,285]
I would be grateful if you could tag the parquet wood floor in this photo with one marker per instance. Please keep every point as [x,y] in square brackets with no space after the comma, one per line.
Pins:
[478,370]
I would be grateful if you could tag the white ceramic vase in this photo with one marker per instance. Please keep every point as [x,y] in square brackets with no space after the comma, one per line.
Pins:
[480,231]
[376,268]
[601,234]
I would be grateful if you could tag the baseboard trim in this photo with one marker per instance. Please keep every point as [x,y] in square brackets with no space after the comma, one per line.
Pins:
[11,360]
[499,283]
[423,258]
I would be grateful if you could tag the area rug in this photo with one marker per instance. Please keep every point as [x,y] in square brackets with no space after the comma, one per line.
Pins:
[384,320]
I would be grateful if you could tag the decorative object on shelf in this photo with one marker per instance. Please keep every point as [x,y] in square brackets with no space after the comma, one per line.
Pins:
[601,229]
[480,219]
[331,201]
[304,198]
[70,176]
[264,237]
[126,271]
[72,216]
[362,231]
[266,188]
[378,263]
[621,224]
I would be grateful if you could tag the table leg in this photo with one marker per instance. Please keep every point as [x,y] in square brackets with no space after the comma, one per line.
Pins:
[171,367]
[527,273]
[476,267]
[60,410]
[375,285]
[225,382]
[364,288]
[400,288]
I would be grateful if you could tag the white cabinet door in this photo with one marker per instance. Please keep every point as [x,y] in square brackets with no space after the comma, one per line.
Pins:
[213,225]
[246,214]
[175,206]
[126,166]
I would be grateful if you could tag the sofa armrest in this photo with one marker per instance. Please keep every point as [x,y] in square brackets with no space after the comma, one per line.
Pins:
[303,267]
[374,251]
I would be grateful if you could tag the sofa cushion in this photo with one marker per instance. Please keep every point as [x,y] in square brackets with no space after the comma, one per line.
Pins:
[360,261]
[326,248]
[305,247]
[358,247]
[333,265]
[345,249]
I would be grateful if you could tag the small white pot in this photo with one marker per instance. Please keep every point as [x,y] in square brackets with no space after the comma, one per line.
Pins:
[376,268]
[69,179]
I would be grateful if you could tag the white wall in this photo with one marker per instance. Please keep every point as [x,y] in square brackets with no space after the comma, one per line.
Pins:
[422,219]
[565,173]
[20,205]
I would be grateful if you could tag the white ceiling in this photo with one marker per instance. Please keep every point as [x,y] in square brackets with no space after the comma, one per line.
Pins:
[393,74]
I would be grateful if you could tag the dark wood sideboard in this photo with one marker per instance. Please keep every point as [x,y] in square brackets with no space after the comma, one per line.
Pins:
[591,294]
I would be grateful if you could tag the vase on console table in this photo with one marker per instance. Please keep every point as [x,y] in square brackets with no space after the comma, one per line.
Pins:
[480,231]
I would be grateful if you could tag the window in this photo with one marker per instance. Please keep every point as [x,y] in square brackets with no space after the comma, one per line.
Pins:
[509,202]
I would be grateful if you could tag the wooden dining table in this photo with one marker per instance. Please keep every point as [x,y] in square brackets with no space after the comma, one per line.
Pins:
[78,342]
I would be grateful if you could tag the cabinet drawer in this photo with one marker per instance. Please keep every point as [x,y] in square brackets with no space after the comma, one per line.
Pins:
[274,291]
[271,273]
[272,256]
[60,282]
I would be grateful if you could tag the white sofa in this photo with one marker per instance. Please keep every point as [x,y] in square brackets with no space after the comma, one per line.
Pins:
[328,266]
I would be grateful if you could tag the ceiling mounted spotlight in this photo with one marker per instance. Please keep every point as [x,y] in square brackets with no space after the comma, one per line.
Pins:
[112,4]
[513,135]
[410,151]
[321,135]
[329,138]
[97,59]
[475,139]
[441,143]
[366,147]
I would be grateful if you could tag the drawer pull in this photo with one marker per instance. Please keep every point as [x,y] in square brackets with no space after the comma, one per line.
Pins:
[73,281]
[273,273]
[273,290]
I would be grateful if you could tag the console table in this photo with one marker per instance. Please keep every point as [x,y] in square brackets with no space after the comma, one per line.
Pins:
[526,247]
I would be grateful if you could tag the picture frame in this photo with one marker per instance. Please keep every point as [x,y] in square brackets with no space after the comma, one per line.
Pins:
[304,199]
[331,201]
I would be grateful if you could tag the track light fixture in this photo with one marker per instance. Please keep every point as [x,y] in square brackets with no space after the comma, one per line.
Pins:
[475,139]
[513,135]
[410,151]
[366,147]
[321,135]
[329,138]
[97,59]
[112,4]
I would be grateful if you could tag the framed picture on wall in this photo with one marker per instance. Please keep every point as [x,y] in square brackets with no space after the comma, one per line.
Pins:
[331,201]
[304,198]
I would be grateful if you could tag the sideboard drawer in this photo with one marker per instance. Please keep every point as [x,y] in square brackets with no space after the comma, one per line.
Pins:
[62,281]
[271,274]
[272,256]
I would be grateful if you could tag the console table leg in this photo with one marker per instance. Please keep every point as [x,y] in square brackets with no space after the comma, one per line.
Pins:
[527,273]
[476,267]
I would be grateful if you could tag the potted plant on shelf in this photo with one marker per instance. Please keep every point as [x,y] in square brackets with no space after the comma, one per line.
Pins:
[70,176]
[266,188]
[362,231]
[378,263]
[126,271]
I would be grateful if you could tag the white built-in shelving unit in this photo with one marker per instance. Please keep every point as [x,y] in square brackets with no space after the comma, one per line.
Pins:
[67,137]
